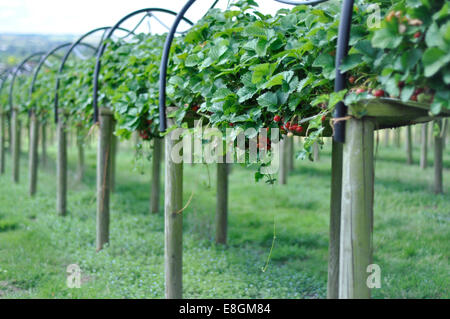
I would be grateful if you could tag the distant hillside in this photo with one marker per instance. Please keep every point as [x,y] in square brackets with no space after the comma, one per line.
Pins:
[14,47]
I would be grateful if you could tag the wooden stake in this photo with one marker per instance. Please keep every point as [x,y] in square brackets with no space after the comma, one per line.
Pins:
[156,175]
[2,142]
[357,209]
[173,219]
[15,145]
[335,221]
[103,176]
[80,162]
[44,145]
[291,153]
[424,147]
[409,151]
[33,153]
[222,202]
[438,158]
[283,149]
[114,145]
[61,166]
[316,152]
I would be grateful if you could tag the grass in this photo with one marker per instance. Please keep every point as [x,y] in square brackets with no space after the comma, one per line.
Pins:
[411,238]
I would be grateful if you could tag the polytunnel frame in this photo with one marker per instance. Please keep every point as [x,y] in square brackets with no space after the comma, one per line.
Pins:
[45,58]
[148,13]
[341,54]
[16,72]
[67,55]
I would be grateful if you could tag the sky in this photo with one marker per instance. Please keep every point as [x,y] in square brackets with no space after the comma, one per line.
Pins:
[80,16]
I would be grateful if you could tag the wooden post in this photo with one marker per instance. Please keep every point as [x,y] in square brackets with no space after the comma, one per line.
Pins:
[438,158]
[80,163]
[103,176]
[44,144]
[424,147]
[357,209]
[2,141]
[61,165]
[15,144]
[291,153]
[222,202]
[398,137]
[156,175]
[173,220]
[409,151]
[386,137]
[282,173]
[335,221]
[114,145]
[316,152]
[33,153]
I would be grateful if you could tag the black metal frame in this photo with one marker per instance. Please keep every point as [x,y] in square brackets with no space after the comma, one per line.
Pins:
[341,53]
[67,55]
[16,72]
[46,57]
[148,12]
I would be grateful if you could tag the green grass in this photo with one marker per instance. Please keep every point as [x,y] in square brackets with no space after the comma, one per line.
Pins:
[411,238]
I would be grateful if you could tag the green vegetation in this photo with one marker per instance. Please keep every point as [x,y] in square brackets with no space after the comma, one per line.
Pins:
[411,237]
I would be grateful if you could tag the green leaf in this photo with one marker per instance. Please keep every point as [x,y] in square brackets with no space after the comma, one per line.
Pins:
[351,62]
[386,39]
[434,59]
[268,100]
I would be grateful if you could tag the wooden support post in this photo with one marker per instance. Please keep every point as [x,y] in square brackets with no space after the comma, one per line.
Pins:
[80,163]
[438,158]
[316,152]
[33,153]
[222,202]
[44,145]
[103,176]
[156,175]
[424,147]
[2,141]
[61,165]
[357,209]
[173,219]
[15,144]
[283,149]
[409,150]
[335,221]
[114,146]
[291,153]
[398,137]
[386,137]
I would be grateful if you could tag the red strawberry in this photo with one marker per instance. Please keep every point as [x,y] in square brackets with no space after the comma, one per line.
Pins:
[378,93]
[299,129]
[351,79]
[324,118]
[360,90]
[417,35]
[195,108]
[287,125]
[414,98]
[277,118]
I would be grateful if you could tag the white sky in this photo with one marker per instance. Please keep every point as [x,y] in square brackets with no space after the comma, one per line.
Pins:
[81,16]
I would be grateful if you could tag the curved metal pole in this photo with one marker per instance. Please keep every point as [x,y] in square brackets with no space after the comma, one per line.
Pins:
[16,71]
[104,45]
[163,68]
[341,53]
[44,59]
[311,2]
[66,57]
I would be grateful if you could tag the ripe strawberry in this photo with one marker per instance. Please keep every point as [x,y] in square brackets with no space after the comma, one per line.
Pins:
[351,79]
[231,124]
[287,125]
[414,98]
[401,84]
[277,118]
[360,90]
[299,129]
[417,35]
[195,108]
[378,93]
[324,118]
